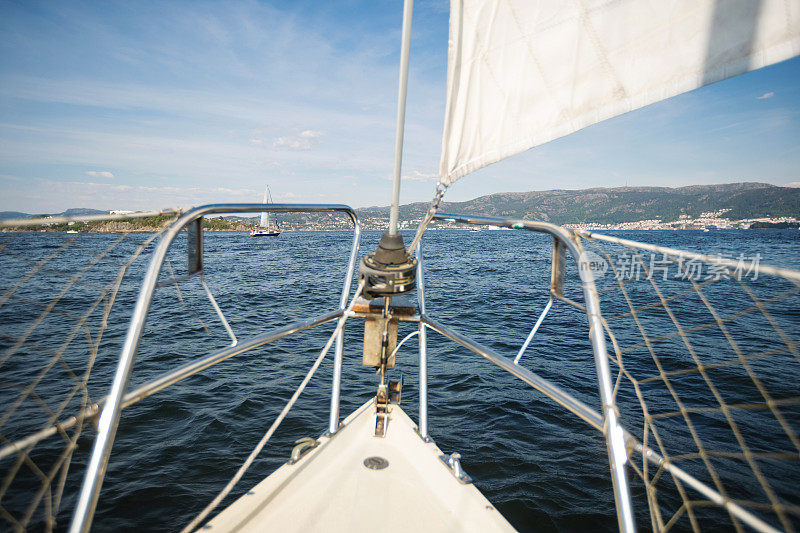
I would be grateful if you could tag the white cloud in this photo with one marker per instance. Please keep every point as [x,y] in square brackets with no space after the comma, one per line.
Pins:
[765,96]
[415,176]
[421,176]
[103,195]
[100,174]
[792,184]
[305,130]
[285,196]
[303,141]
[247,99]
[287,143]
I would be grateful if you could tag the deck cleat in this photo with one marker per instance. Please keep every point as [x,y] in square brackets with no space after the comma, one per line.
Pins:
[302,446]
[453,462]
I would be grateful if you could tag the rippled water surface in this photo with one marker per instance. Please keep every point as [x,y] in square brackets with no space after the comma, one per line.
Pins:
[543,468]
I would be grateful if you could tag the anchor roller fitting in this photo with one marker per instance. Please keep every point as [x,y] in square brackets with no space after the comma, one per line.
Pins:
[389,270]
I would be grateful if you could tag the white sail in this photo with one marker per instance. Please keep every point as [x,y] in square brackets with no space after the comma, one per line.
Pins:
[524,72]
[265,214]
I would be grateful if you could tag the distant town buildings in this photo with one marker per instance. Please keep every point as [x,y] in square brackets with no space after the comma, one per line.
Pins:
[710,221]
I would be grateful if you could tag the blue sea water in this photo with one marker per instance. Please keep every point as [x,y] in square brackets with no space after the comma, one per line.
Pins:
[543,468]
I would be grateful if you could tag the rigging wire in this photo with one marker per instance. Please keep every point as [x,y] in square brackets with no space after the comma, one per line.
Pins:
[435,204]
[260,446]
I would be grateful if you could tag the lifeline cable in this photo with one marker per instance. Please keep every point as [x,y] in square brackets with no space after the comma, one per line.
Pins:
[260,446]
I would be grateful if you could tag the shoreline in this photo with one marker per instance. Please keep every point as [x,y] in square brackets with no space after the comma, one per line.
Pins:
[349,230]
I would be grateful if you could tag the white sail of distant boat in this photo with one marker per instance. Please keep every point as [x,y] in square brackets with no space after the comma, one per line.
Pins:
[266,228]
[265,214]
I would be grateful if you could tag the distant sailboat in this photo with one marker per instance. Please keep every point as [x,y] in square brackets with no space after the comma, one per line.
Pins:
[266,228]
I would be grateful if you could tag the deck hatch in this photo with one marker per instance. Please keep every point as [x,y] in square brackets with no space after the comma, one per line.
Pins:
[376,463]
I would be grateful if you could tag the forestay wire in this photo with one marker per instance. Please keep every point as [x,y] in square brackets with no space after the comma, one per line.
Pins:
[441,187]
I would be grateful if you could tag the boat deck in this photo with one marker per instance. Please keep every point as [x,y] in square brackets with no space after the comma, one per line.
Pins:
[331,489]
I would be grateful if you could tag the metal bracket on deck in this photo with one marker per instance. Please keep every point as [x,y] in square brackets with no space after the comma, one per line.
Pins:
[381,410]
[303,446]
[395,390]
[386,394]
[380,340]
[380,343]
[453,462]
[380,328]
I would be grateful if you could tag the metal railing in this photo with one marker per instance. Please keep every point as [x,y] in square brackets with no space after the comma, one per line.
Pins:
[620,442]
[608,420]
[117,399]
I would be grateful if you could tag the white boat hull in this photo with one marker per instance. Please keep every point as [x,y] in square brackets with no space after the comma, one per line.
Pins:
[264,233]
[330,488]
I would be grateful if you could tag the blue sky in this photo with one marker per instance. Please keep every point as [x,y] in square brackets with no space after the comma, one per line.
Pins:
[140,105]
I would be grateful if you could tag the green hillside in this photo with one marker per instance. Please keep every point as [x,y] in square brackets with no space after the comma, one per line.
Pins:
[626,204]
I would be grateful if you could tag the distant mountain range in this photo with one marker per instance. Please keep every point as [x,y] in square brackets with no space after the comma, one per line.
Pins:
[599,205]
[624,204]
[75,212]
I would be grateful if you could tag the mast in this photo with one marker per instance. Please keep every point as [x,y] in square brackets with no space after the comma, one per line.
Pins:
[402,90]
[390,270]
